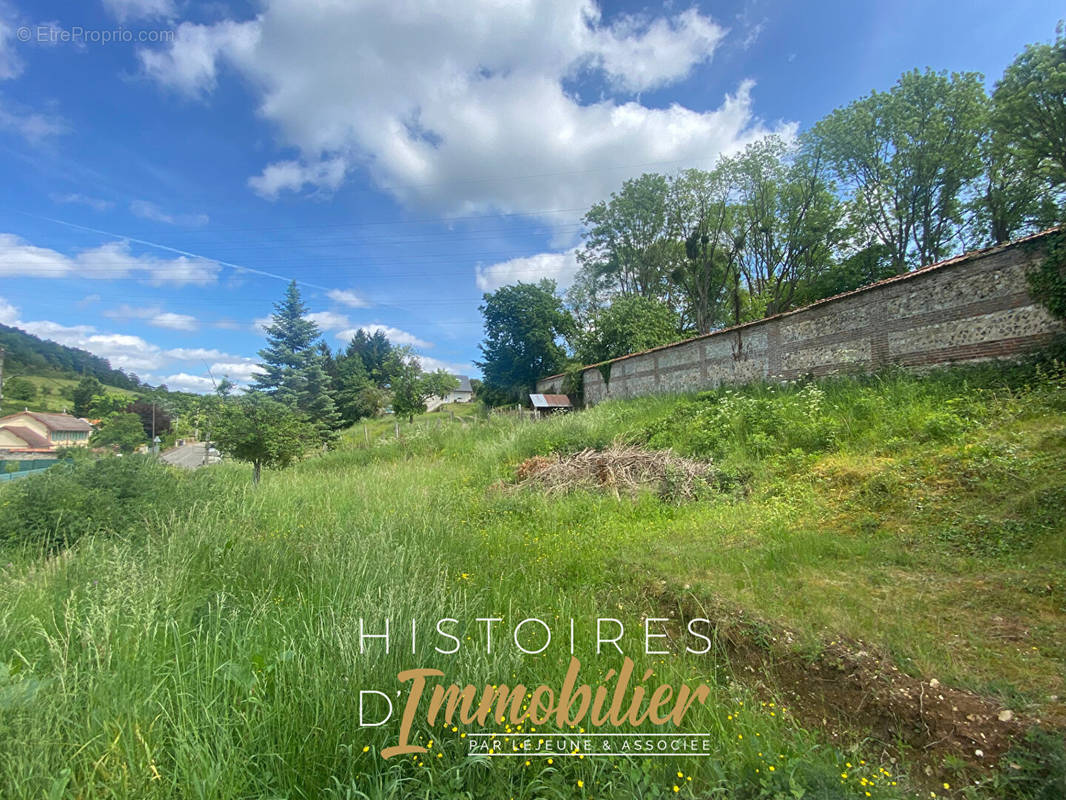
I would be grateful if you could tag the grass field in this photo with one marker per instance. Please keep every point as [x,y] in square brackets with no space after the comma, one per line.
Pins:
[52,395]
[205,641]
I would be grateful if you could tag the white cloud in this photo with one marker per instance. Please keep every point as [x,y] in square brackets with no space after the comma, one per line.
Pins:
[8,313]
[241,371]
[111,260]
[190,64]
[329,320]
[147,210]
[31,126]
[154,315]
[462,112]
[122,350]
[84,200]
[198,354]
[430,364]
[125,10]
[10,63]
[394,335]
[560,267]
[348,298]
[326,175]
[184,382]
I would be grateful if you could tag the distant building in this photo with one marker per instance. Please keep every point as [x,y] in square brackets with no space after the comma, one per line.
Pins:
[33,431]
[464,393]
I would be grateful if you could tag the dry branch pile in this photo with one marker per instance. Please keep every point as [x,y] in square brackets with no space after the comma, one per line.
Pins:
[619,469]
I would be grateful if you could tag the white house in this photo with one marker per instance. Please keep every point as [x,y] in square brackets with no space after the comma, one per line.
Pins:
[463,394]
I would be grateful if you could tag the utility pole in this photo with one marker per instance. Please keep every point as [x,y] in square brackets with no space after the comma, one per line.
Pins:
[1,374]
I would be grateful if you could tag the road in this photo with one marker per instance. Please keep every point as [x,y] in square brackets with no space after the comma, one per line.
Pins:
[190,456]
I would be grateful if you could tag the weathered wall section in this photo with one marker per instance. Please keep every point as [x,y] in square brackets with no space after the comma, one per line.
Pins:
[971,308]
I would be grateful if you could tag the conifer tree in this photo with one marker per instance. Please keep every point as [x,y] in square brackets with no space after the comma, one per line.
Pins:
[293,365]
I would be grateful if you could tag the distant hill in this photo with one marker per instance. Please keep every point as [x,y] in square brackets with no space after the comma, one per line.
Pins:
[27,354]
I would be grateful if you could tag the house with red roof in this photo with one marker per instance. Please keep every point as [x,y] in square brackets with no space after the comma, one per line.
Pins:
[38,432]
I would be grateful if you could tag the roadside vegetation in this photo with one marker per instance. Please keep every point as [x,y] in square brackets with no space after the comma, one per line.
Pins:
[202,638]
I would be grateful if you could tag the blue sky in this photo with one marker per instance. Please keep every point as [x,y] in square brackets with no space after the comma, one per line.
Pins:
[396,158]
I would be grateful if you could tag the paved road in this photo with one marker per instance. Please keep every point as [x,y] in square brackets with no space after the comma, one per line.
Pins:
[190,456]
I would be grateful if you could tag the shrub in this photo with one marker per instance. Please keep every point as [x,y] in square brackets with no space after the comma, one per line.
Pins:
[68,501]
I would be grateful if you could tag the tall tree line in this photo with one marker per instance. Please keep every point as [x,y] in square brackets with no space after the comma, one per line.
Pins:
[897,179]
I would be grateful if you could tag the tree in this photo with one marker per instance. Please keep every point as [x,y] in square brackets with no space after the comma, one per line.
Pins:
[262,432]
[789,221]
[373,348]
[523,327]
[630,324]
[1030,108]
[708,221]
[293,365]
[439,383]
[121,431]
[629,245]
[407,384]
[88,388]
[906,155]
[22,389]
[154,418]
[107,403]
[357,396]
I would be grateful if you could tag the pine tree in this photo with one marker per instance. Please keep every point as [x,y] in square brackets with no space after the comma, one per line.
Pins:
[294,365]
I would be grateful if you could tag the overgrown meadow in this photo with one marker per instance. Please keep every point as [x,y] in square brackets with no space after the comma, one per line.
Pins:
[167,634]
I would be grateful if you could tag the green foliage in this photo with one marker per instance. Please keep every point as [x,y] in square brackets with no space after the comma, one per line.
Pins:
[1035,768]
[110,495]
[294,366]
[1047,280]
[407,383]
[439,383]
[263,432]
[630,324]
[26,354]
[1030,108]
[108,403]
[524,324]
[87,388]
[16,388]
[121,431]
[906,155]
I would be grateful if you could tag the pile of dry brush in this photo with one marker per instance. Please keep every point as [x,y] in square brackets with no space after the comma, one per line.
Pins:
[621,470]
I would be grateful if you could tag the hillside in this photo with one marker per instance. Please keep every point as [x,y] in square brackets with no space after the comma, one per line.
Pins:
[881,559]
[26,354]
[53,394]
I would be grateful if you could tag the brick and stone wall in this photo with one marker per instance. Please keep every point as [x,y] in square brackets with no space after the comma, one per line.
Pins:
[971,308]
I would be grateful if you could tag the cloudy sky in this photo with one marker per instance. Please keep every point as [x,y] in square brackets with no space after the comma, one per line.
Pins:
[166,166]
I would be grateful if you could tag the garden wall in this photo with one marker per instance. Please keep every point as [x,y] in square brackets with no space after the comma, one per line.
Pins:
[970,308]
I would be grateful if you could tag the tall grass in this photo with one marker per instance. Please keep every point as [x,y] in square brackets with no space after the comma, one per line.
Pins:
[211,649]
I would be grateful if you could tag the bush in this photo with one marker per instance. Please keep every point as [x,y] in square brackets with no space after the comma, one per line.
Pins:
[60,505]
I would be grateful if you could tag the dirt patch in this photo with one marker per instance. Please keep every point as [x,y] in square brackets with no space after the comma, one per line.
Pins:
[620,470]
[848,688]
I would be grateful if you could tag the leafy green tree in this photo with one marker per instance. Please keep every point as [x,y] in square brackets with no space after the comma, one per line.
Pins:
[120,430]
[262,432]
[630,324]
[107,403]
[21,389]
[524,324]
[1030,108]
[294,370]
[88,388]
[708,221]
[407,383]
[153,416]
[790,222]
[629,243]
[357,396]
[906,155]
[439,383]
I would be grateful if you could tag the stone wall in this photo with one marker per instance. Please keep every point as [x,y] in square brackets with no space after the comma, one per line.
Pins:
[971,308]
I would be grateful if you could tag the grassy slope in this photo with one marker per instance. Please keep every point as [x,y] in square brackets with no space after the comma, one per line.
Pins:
[205,658]
[54,401]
